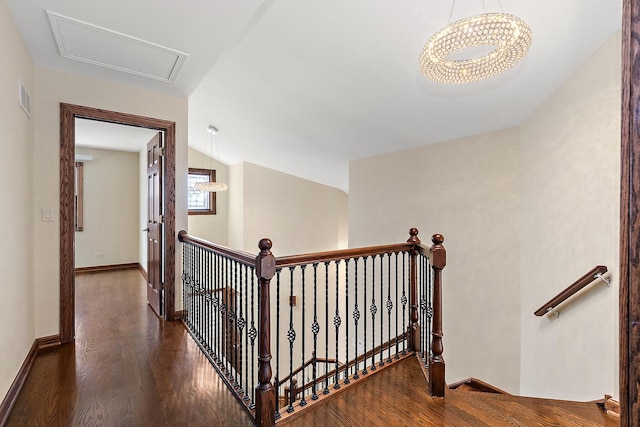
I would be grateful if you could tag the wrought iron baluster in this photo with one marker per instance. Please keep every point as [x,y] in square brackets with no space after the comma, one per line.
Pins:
[291,336]
[194,293]
[381,362]
[207,306]
[303,401]
[218,303]
[315,328]
[389,306]
[429,290]
[356,317]
[336,320]
[346,310]
[220,309]
[185,276]
[186,261]
[364,329]
[423,309]
[373,309]
[404,301]
[225,315]
[253,333]
[214,302]
[234,318]
[196,296]
[326,328]
[245,348]
[397,339]
[202,297]
[240,326]
[192,285]
[192,290]
[276,380]
[212,305]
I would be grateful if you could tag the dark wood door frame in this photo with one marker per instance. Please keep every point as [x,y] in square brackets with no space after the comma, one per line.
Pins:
[630,217]
[68,114]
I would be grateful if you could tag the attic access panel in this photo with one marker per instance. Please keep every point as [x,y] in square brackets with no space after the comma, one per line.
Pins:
[106,48]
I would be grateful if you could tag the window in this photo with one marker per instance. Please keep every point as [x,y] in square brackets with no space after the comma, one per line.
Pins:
[201,202]
[79,210]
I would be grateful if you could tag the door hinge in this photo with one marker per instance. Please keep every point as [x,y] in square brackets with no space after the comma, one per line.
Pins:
[161,219]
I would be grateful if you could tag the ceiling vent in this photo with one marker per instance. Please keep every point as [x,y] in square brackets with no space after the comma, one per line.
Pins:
[24,99]
[99,46]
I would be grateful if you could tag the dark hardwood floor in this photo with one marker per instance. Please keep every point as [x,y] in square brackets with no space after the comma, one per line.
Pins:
[398,397]
[126,367]
[129,368]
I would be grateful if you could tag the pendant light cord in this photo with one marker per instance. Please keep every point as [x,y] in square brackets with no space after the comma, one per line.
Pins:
[484,9]
[453,5]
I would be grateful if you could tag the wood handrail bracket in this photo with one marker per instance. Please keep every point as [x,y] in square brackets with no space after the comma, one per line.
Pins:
[594,274]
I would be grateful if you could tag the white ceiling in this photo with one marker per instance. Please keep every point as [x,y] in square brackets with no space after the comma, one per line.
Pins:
[304,87]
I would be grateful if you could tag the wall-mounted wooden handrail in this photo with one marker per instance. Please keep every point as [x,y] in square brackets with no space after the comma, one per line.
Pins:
[593,274]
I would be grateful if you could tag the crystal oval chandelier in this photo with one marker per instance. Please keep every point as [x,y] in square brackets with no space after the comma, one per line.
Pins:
[509,36]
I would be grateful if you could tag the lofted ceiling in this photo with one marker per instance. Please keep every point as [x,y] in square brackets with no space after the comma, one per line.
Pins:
[304,87]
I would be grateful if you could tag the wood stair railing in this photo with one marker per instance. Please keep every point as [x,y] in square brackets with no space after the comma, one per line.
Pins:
[366,296]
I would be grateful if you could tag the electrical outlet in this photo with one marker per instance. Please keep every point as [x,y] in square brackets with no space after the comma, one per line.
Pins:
[99,255]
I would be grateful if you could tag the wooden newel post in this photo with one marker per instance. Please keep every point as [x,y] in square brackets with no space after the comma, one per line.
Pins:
[437,383]
[414,326]
[265,393]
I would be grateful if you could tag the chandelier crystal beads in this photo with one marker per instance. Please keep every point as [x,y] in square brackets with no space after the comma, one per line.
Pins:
[509,36]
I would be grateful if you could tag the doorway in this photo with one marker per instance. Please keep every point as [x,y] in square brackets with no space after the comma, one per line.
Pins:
[68,114]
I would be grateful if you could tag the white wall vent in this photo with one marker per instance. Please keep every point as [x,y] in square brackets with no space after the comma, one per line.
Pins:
[24,99]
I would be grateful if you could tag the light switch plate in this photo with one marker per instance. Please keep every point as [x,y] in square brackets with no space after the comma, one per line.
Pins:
[47,214]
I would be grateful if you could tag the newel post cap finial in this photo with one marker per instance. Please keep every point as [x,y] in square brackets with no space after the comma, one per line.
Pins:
[437,239]
[265,261]
[265,245]
[413,236]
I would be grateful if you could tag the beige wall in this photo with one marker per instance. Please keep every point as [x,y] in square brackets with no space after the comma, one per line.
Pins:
[111,209]
[52,88]
[467,190]
[570,179]
[236,206]
[298,215]
[18,213]
[213,228]
[524,212]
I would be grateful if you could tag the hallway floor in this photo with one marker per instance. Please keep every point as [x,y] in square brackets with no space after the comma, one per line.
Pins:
[126,368]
